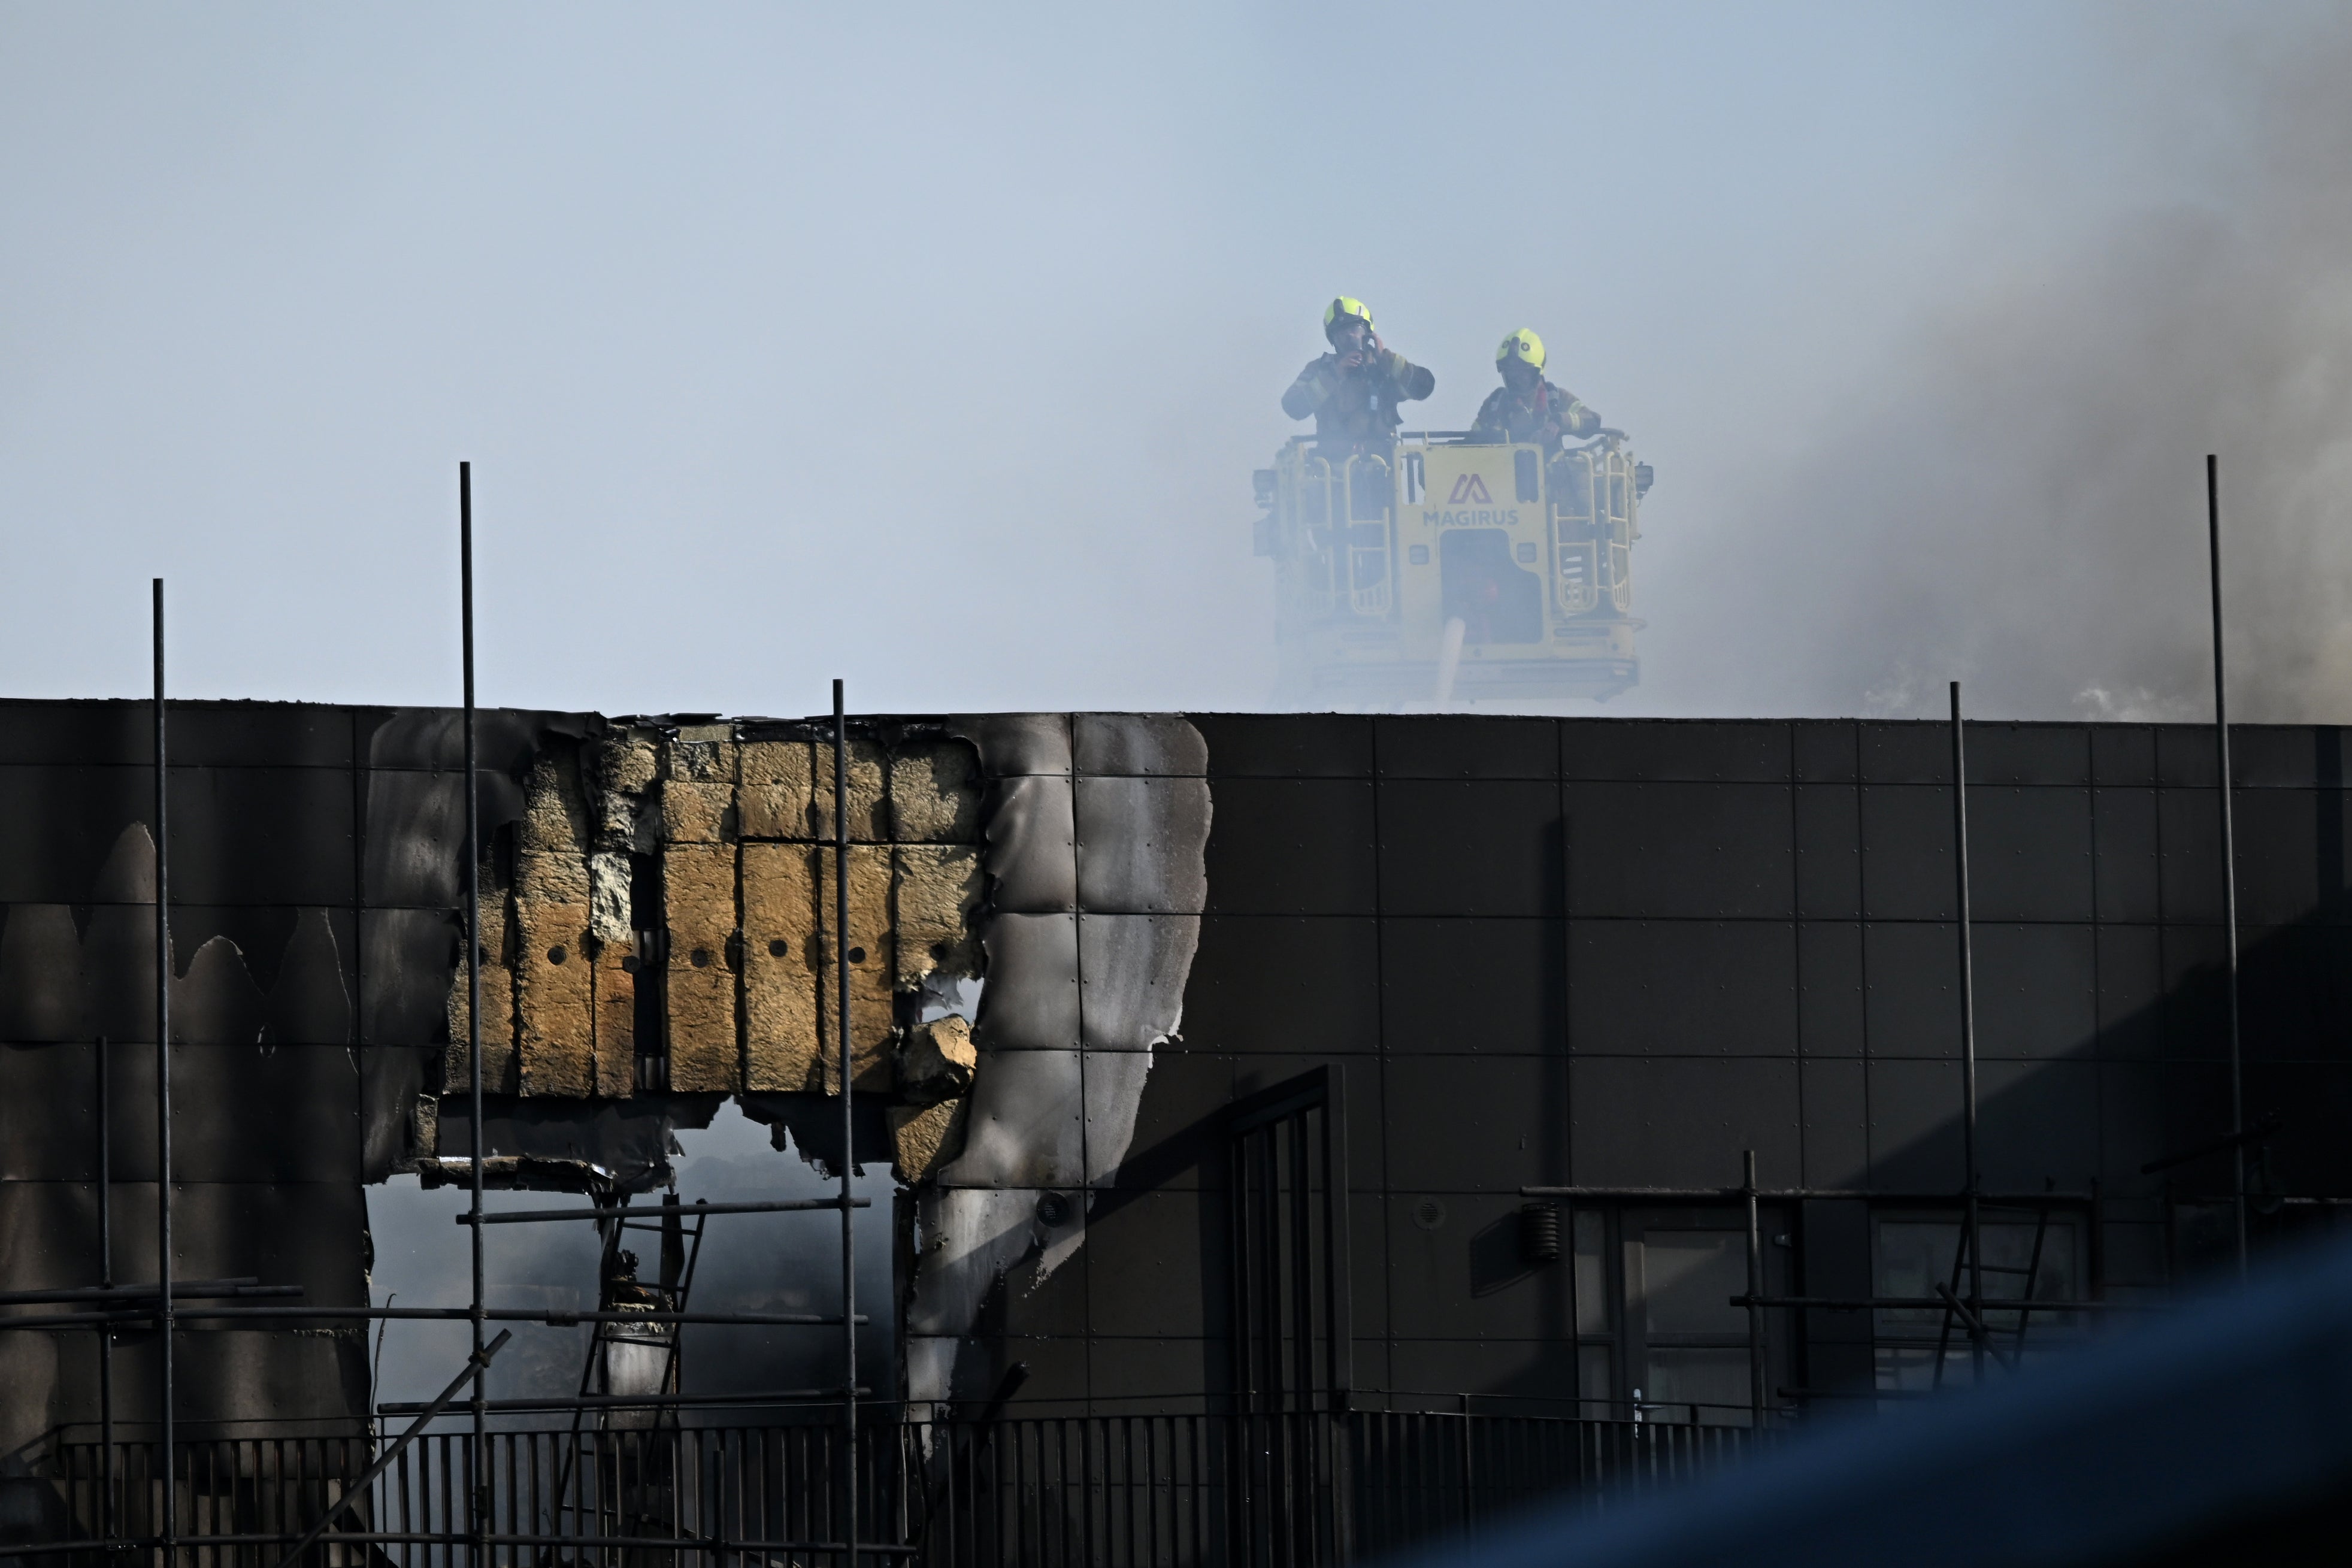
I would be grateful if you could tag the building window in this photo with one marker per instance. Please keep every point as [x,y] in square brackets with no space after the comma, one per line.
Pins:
[2027,1257]
[1657,1336]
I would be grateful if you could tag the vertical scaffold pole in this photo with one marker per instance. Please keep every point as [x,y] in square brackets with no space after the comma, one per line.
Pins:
[167,1444]
[2229,864]
[1973,1236]
[1756,1388]
[477,1470]
[848,1126]
[106,1282]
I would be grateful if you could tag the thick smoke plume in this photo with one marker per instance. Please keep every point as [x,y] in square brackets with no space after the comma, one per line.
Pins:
[2021,503]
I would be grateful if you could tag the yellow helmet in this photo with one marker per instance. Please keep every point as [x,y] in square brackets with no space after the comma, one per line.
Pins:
[1522,345]
[1346,309]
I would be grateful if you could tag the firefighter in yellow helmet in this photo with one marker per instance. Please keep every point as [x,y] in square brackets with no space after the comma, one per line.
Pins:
[1354,391]
[1527,408]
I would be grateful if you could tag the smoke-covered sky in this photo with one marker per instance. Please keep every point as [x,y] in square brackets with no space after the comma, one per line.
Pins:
[932,347]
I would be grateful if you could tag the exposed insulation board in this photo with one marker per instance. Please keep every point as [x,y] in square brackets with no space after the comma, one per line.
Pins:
[781,963]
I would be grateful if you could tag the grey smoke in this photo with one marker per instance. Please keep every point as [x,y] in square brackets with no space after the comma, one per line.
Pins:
[2016,497]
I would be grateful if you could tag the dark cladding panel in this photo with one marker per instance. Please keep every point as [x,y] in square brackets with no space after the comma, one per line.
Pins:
[41,985]
[1837,1124]
[1471,985]
[2185,755]
[1667,850]
[2126,845]
[1463,1124]
[1906,852]
[289,1379]
[1178,1138]
[1667,1122]
[1829,852]
[239,1113]
[407,960]
[262,835]
[415,832]
[1912,972]
[2036,990]
[1033,1300]
[1831,1018]
[254,734]
[1915,1126]
[2313,1102]
[1017,745]
[2287,756]
[1828,750]
[2151,1111]
[2291,986]
[1683,988]
[1139,845]
[2196,1019]
[2131,992]
[1457,1271]
[1285,982]
[311,1233]
[2122,755]
[1835,1236]
[505,739]
[1369,1266]
[391,1080]
[2005,753]
[1288,847]
[58,825]
[211,734]
[1897,753]
[1485,849]
[2038,1123]
[78,734]
[1675,751]
[1058,1370]
[48,1233]
[2029,854]
[1135,745]
[1286,745]
[1430,746]
[1514,1368]
[1150,1377]
[49,1113]
[2290,854]
[1145,1253]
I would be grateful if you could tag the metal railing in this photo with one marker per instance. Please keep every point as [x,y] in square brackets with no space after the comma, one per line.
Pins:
[1218,1489]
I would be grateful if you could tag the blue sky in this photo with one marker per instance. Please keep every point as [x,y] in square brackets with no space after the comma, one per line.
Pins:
[932,348]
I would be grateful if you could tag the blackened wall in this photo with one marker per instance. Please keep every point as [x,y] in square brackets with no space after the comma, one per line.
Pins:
[315,863]
[1542,951]
[1621,952]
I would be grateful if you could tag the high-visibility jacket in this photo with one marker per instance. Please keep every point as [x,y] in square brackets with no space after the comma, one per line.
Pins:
[1544,417]
[1359,407]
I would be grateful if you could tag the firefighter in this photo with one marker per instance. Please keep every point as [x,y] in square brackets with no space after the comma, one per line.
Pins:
[1354,390]
[1527,408]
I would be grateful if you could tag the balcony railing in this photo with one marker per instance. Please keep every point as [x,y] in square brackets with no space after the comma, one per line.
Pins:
[1099,1491]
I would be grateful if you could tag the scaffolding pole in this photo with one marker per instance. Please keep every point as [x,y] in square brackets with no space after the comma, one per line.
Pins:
[2229,864]
[163,1318]
[1973,1238]
[476,1482]
[105,1284]
[848,1530]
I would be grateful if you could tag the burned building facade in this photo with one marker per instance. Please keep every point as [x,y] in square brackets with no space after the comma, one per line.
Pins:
[1222,1063]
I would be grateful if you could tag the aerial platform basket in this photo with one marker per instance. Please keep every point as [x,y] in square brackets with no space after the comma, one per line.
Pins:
[1375,552]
